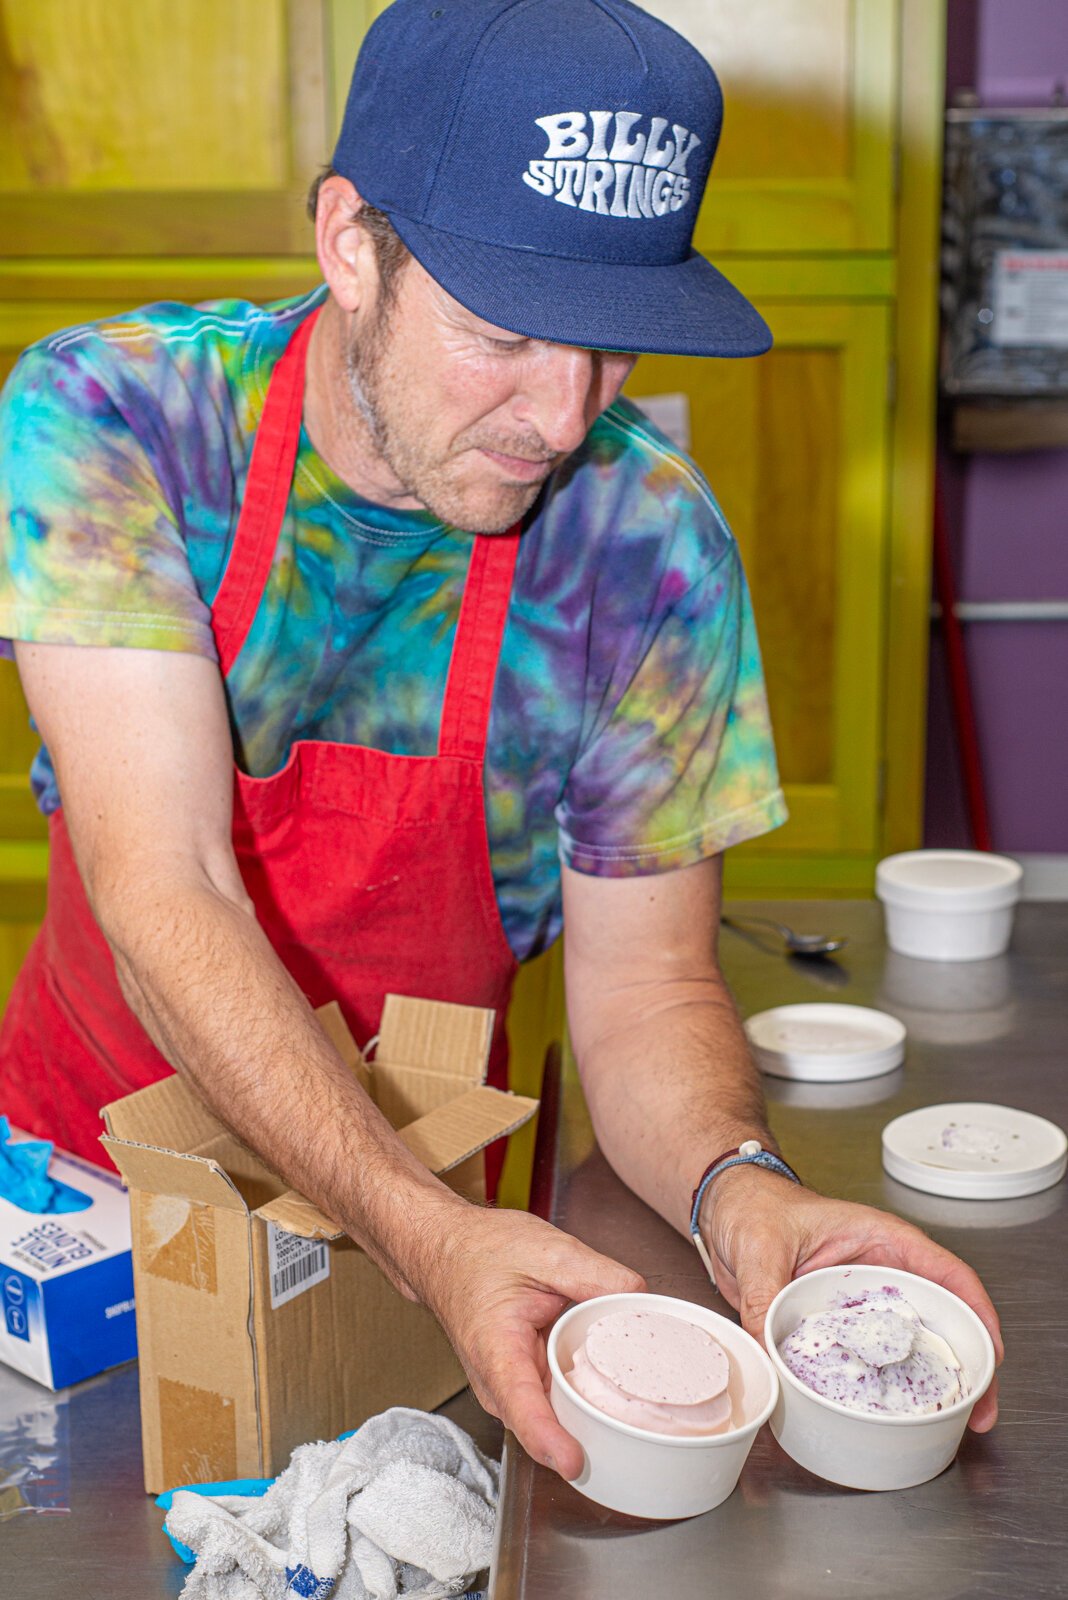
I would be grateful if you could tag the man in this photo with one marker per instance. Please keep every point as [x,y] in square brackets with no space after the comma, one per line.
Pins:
[399,552]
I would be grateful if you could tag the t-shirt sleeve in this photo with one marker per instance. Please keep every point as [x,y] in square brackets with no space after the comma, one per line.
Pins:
[91,547]
[681,762]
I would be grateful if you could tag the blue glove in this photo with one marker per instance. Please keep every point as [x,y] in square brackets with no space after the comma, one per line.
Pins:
[24,1177]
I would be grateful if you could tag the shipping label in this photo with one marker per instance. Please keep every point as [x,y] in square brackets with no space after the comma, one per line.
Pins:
[295,1264]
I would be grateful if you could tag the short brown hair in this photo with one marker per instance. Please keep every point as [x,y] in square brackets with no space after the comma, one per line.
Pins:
[391,252]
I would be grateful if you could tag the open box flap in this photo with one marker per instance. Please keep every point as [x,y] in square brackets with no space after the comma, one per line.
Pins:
[152,1134]
[442,1140]
[333,1024]
[434,1036]
[466,1125]
[296,1215]
[167,1114]
[170,1172]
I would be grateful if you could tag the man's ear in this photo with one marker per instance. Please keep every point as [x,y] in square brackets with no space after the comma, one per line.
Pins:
[346,253]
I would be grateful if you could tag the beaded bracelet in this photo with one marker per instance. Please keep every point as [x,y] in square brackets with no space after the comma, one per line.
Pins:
[751,1153]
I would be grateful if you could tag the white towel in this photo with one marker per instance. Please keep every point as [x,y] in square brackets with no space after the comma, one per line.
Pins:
[404,1507]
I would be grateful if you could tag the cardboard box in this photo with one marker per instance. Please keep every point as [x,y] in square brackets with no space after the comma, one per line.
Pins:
[260,1326]
[66,1281]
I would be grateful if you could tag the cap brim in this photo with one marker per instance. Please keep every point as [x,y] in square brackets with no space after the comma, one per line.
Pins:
[685,309]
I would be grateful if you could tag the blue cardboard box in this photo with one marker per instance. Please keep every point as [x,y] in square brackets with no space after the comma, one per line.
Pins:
[66,1281]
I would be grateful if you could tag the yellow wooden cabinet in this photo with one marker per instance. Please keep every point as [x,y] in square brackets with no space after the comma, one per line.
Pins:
[142,129]
[795,446]
[808,149]
[823,209]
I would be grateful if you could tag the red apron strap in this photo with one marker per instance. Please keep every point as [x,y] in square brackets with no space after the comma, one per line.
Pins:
[477,645]
[263,509]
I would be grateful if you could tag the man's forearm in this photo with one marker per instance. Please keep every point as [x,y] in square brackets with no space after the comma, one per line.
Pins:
[204,982]
[670,1085]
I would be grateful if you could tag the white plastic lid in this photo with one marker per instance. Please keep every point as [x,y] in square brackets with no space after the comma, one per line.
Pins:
[826,1043]
[949,880]
[972,1150]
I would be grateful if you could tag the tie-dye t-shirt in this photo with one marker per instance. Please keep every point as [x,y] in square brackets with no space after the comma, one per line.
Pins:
[629,729]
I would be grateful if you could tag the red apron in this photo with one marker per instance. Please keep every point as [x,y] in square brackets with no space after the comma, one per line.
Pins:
[370,873]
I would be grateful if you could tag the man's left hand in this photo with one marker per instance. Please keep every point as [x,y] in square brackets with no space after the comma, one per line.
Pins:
[761,1231]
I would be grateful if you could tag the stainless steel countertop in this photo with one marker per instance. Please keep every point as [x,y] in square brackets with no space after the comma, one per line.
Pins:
[78,1453]
[991,1526]
[994,1524]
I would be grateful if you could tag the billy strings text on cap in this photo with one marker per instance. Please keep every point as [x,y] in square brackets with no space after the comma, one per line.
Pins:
[544,160]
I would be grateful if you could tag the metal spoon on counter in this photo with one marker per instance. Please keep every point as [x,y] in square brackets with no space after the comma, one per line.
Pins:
[798,944]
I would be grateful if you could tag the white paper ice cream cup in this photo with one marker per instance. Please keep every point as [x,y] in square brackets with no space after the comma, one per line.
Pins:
[659,1475]
[948,905]
[863,1449]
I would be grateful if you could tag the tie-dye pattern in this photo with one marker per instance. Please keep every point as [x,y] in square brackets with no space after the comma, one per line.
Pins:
[629,731]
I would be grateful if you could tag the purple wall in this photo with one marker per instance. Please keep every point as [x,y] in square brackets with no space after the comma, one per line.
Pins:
[1008,517]
[1022,49]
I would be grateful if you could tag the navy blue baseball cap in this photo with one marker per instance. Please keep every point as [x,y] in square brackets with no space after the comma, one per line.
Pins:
[544,160]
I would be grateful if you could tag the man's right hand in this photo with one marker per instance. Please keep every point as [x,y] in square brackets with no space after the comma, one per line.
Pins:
[497,1283]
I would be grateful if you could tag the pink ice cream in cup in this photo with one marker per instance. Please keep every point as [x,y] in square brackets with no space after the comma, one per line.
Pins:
[654,1371]
[665,1398]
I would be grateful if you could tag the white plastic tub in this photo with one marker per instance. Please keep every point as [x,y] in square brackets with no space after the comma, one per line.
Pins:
[863,1449]
[660,1475]
[948,905]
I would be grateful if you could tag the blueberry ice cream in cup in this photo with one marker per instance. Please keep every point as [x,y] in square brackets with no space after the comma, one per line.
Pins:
[879,1370]
[871,1352]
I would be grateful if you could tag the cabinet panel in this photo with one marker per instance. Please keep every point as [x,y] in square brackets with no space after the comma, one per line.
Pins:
[19,816]
[805,162]
[114,98]
[125,133]
[794,446]
[15,941]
